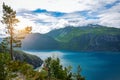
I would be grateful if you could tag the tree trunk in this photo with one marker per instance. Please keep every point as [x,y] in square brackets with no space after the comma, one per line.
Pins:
[11,49]
[11,41]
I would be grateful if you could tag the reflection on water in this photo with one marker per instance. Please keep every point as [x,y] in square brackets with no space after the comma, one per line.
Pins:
[95,66]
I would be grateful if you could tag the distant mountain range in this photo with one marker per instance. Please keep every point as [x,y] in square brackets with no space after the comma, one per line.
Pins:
[86,38]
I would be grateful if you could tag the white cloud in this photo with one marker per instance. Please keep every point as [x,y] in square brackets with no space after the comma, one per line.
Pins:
[51,5]
[24,22]
[36,27]
[44,22]
[2,27]
[61,23]
[47,18]
[110,17]
[57,5]
[73,19]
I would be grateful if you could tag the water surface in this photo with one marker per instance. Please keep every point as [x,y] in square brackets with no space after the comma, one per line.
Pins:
[95,65]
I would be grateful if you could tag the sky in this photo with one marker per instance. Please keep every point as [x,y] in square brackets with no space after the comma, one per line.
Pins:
[46,15]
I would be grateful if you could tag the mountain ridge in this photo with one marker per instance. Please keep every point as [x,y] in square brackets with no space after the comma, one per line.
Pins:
[90,38]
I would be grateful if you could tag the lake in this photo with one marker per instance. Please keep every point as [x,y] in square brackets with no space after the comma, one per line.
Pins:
[95,65]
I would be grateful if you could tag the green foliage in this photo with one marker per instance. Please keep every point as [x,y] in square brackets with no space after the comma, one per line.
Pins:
[4,46]
[9,19]
[33,60]
[52,70]
[17,70]
[67,35]
[4,58]
[78,75]
[87,38]
[55,71]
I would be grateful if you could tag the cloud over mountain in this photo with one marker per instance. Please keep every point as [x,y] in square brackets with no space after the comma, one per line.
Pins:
[46,15]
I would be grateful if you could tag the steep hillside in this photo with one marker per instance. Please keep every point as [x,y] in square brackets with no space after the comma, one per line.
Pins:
[38,41]
[87,38]
[94,42]
[66,34]
[31,59]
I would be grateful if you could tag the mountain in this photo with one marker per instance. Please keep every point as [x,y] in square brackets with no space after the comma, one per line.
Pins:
[38,41]
[86,38]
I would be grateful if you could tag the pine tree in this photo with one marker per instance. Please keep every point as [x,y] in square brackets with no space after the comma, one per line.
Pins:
[9,19]
[78,75]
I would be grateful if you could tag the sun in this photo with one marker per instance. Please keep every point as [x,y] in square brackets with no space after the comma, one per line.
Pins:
[17,28]
[23,23]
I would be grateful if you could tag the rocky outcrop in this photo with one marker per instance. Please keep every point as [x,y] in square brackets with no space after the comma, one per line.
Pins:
[31,59]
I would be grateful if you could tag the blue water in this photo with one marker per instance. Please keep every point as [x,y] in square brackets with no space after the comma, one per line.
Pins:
[95,65]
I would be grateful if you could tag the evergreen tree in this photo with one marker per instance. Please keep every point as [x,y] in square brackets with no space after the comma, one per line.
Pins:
[9,19]
[56,71]
[3,46]
[78,75]
[4,59]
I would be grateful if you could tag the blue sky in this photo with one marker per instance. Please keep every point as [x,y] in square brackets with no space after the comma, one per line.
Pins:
[46,15]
